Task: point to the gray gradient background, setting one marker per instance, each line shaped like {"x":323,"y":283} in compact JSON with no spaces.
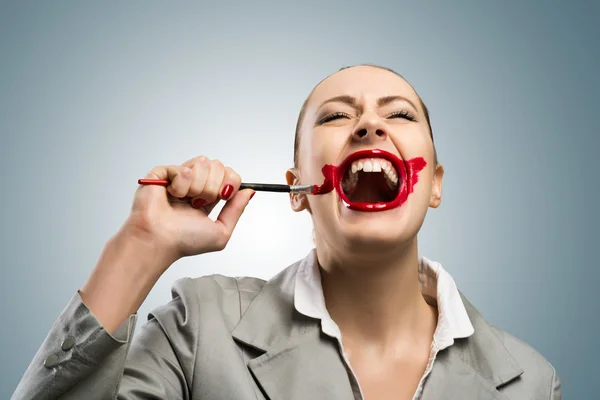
{"x":103,"y":92}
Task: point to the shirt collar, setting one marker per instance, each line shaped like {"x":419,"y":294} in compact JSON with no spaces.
{"x":437,"y":286}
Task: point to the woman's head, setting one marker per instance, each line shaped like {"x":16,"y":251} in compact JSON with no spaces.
{"x":356,"y":109}
{"x":303,"y":111}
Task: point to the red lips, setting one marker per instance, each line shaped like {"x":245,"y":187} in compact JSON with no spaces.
{"x":407,"y":172}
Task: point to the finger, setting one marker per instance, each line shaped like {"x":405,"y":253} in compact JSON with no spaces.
{"x":200,"y":168}
{"x":231,"y":184}
{"x":214,"y":180}
{"x":180,"y":184}
{"x":179,"y":176}
{"x":196,"y":160}
{"x":231,"y":213}
{"x":228,"y":189}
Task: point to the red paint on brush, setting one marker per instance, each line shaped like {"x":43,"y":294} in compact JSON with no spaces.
{"x":408,"y":172}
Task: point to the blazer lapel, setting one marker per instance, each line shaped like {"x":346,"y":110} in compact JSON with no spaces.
{"x":311,"y":370}
{"x":473,"y":368}
{"x":296,"y":360}
{"x":452,"y":379}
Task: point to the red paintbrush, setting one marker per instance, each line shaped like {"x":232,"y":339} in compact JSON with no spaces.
{"x":259,"y":187}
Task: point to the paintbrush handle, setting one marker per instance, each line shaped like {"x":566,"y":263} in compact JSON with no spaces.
{"x":263,"y":187}
{"x":259,"y":187}
{"x":270,"y":187}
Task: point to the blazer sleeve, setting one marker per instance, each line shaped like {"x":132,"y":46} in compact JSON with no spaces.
{"x":556,"y":390}
{"x":80,"y":359}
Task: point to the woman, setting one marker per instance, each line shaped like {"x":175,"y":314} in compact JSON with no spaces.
{"x":407,"y":331}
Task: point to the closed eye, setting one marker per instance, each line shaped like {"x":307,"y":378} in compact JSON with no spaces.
{"x":334,"y":116}
{"x":402,"y":114}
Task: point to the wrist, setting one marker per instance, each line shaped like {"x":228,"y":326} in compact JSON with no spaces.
{"x":126,"y":272}
{"x":153,"y":252}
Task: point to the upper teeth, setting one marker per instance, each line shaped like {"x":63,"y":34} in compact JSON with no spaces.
{"x":371,"y":165}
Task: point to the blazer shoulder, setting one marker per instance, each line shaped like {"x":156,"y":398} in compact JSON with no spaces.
{"x":216,"y":286}
{"x":209,"y":296}
{"x":528,"y":357}
{"x":508,"y":362}
{"x":538,"y":373}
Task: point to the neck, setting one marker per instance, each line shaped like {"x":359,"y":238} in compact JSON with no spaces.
{"x":376,"y":298}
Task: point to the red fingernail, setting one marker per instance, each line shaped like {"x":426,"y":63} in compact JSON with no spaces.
{"x":198,"y":203}
{"x":226,"y":192}
{"x":252,"y":195}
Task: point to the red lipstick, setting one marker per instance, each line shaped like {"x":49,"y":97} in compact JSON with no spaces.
{"x":408,"y":172}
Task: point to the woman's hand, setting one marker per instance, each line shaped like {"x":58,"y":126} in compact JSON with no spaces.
{"x":176,"y":219}
{"x":165,"y":225}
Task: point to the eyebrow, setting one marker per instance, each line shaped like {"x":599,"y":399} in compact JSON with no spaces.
{"x":382,"y":101}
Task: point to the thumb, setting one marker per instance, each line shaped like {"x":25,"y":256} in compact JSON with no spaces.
{"x":233,"y":209}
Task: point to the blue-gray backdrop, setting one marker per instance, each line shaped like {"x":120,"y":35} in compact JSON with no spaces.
{"x":93,"y":94}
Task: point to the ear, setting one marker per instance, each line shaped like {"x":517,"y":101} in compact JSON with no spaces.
{"x":298,"y":201}
{"x":436,"y":187}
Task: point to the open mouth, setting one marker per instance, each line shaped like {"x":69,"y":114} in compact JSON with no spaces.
{"x":370,"y":180}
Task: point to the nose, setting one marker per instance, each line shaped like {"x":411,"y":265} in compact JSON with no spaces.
{"x":369,"y":128}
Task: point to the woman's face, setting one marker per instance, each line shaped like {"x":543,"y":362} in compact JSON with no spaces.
{"x":381,"y":198}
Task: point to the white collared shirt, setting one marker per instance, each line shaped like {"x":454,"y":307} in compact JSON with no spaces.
{"x":436,"y":285}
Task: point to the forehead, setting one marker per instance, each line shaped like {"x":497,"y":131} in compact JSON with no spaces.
{"x":362,"y":82}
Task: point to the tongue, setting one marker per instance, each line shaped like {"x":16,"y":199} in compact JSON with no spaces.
{"x":371,"y":188}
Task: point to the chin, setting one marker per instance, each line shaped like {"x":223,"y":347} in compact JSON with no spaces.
{"x":380,"y":234}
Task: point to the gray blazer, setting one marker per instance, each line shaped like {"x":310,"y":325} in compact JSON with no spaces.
{"x":242,"y":339}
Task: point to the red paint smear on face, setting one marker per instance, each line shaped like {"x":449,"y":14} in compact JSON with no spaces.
{"x":408,"y":171}
{"x":329,"y":172}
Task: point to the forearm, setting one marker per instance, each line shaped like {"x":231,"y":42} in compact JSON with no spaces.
{"x":84,"y":354}
{"x":125,"y":273}
{"x":77,"y":348}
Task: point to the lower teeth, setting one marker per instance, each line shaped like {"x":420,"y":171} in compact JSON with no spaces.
{"x":390,"y":183}
{"x":349,"y":185}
